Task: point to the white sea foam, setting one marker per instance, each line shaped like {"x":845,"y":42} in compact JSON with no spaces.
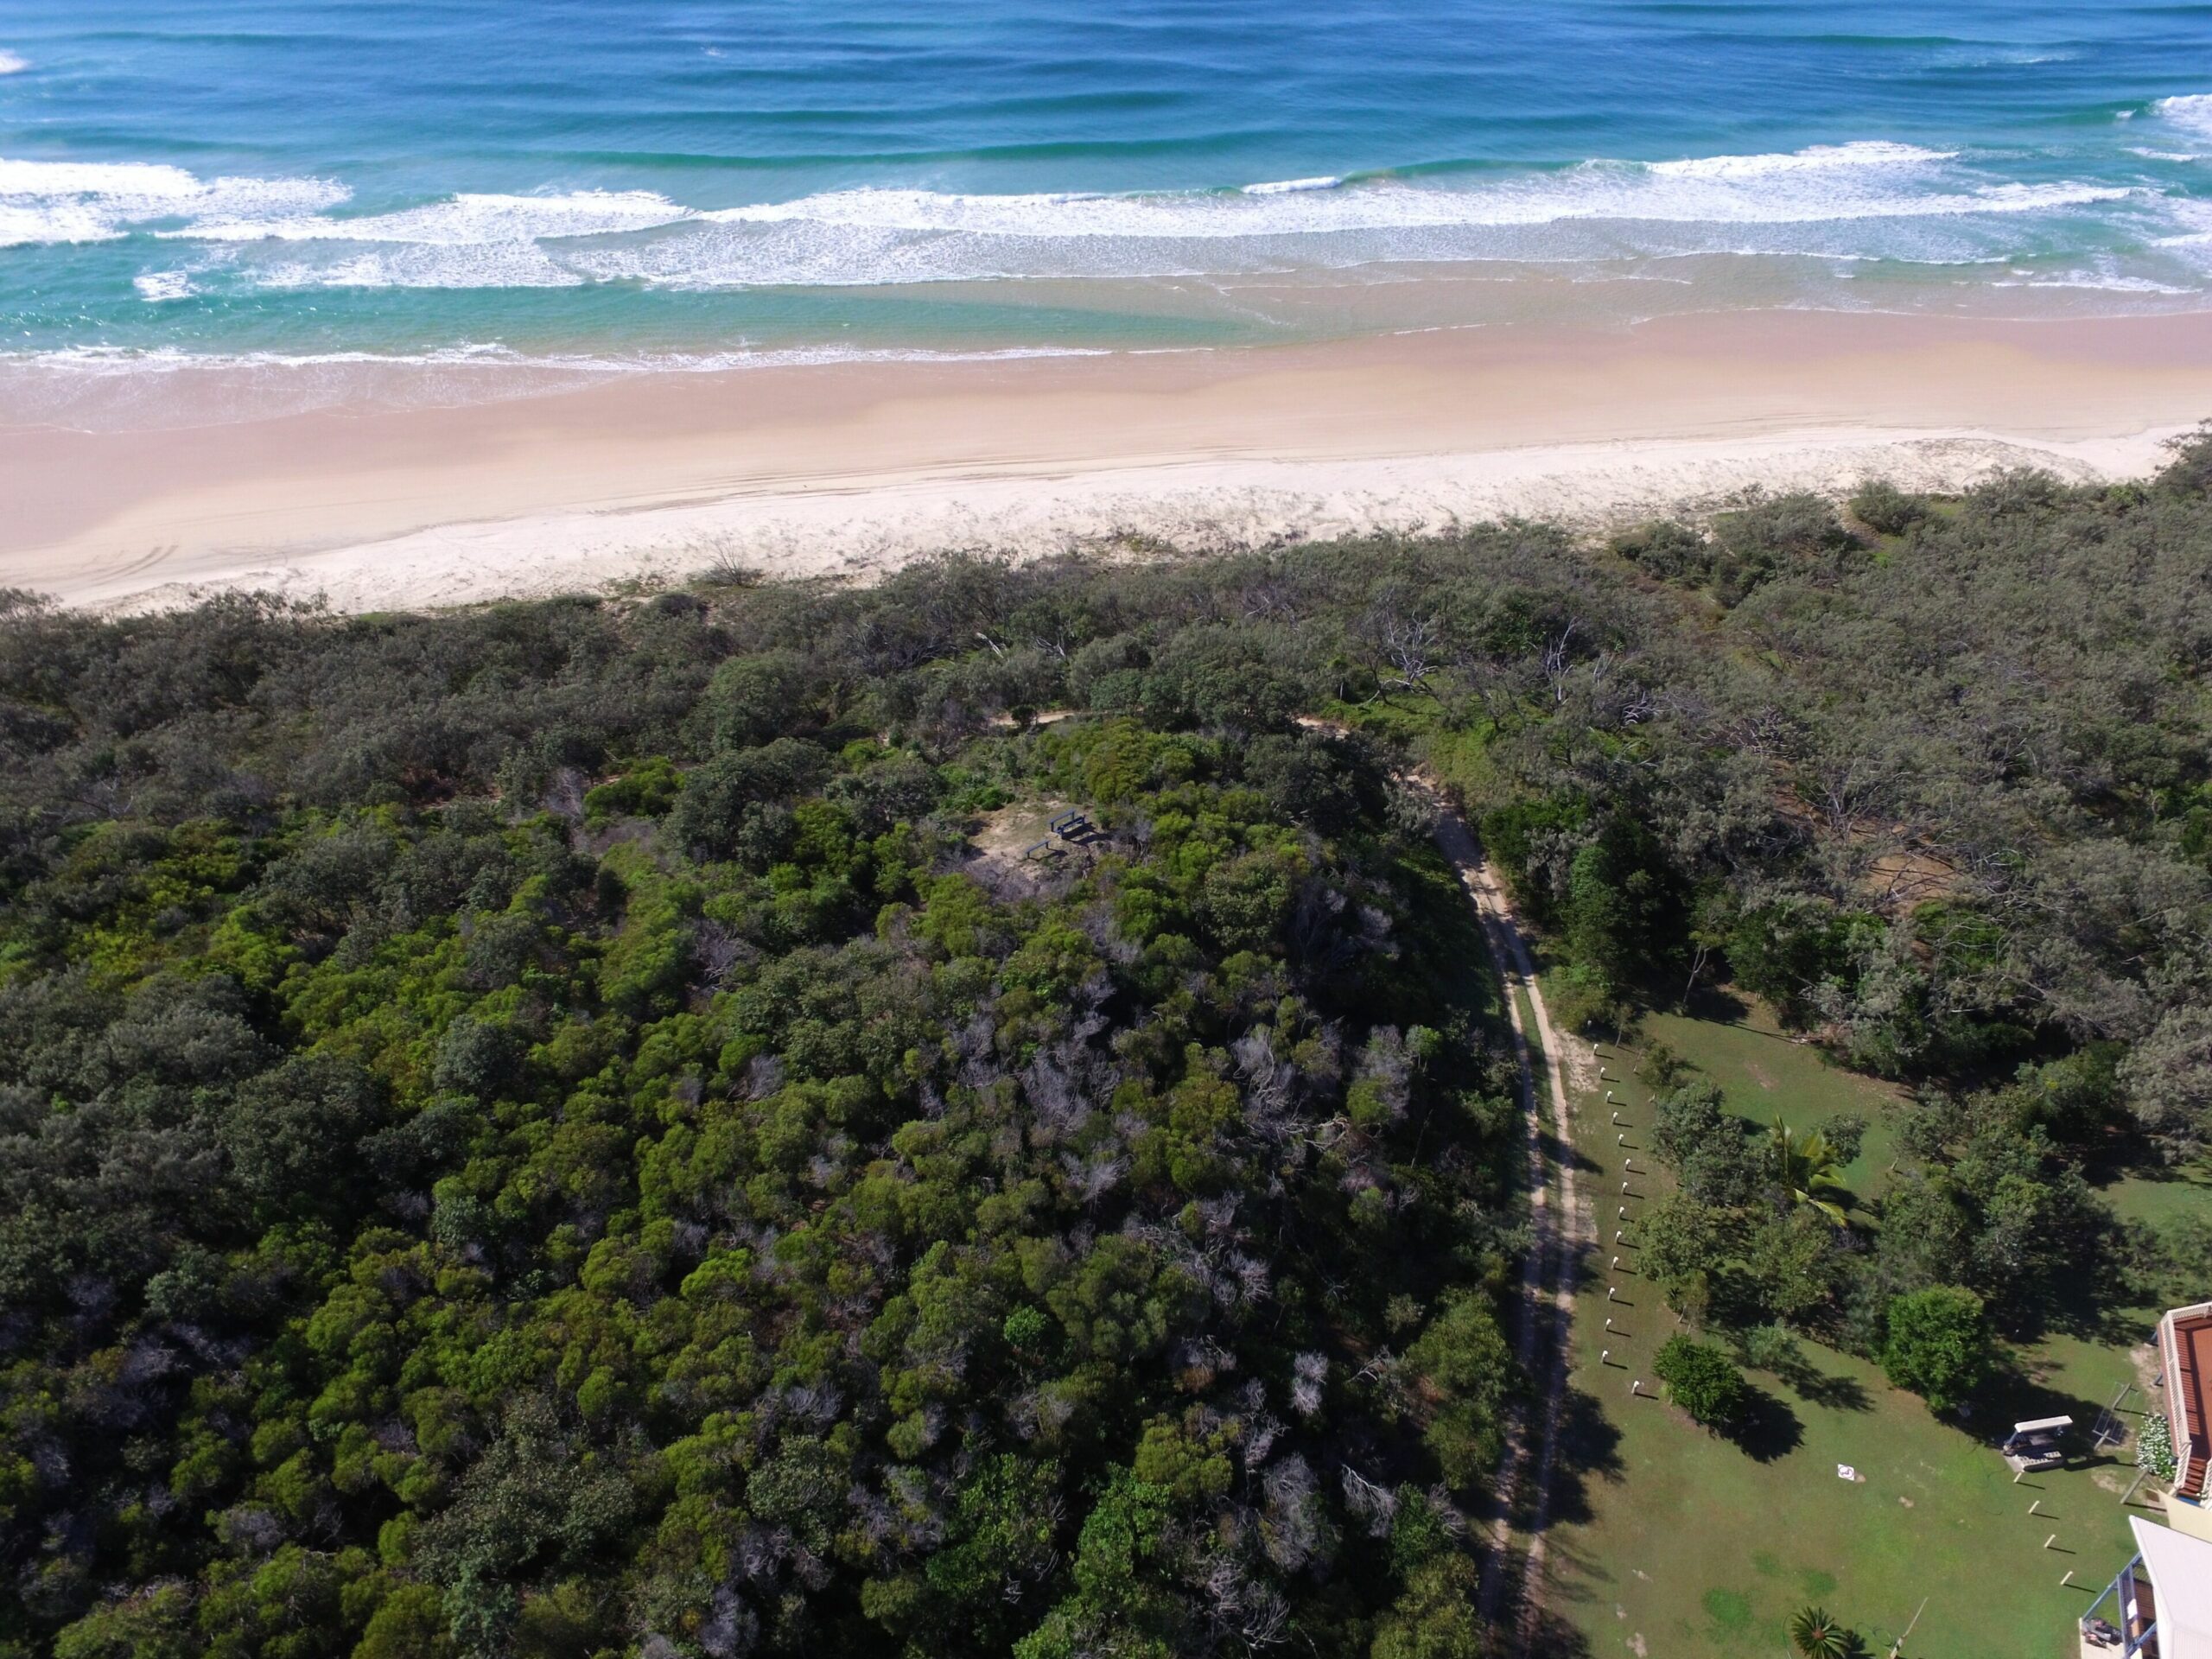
{"x":1806,"y":202}
{"x":51,"y":223}
{"x":465,"y":241}
{"x":1821,"y":202}
{"x":2195,"y":235}
{"x":133,"y":181}
{"x":156,"y":286}
{"x":1818,"y":158}
{"x":2192,"y":110}
{"x":495,"y":265}
{"x":117,"y":361}
{"x":460,"y":221}
{"x":13,"y":63}
{"x":2015,"y":58}
{"x":2098,"y":284}
{"x":1721,"y":190}
{"x":95,"y":202}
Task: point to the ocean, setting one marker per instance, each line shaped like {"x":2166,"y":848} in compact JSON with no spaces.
{"x":445,"y":200}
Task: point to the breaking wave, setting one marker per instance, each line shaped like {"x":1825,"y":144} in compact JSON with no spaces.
{"x":1869,"y":200}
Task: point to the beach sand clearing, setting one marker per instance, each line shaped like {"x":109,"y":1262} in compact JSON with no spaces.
{"x":852,"y":470}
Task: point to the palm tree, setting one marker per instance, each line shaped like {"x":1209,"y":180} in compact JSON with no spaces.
{"x":1809,"y":1170}
{"x":1816,"y":1633}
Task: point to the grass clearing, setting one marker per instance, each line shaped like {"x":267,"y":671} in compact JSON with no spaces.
{"x":2159,"y":1195}
{"x":1674,"y":1541}
{"x":1764,"y":1073}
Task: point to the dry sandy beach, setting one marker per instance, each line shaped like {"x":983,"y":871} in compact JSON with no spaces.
{"x":851,"y":469}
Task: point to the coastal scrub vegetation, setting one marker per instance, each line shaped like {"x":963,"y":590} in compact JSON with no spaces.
{"x":582,"y":1127}
{"x":1979,"y":732}
{"x":560,"y":1130}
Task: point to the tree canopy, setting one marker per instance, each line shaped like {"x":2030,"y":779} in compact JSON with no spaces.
{"x":574,"y":1128}
{"x":1701,"y":1380}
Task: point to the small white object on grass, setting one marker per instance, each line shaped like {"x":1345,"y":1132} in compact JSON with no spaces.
{"x":1845,"y":1472}
{"x":1604,"y":1354}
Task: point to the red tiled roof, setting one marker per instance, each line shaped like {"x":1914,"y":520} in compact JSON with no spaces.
{"x":2185,"y":1339}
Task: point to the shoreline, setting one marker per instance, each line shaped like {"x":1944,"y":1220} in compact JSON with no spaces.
{"x":850,"y":469}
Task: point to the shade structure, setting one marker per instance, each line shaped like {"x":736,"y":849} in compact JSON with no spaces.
{"x":2180,"y":1569}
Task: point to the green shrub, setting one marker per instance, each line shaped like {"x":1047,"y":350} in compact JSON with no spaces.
{"x":1886,"y":510}
{"x":2154,"y":1449}
{"x":1702,"y":1381}
{"x":646,"y":791}
{"x":1939,"y":1345}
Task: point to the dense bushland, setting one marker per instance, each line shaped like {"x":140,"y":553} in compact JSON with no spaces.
{"x":453,"y":1204}
{"x":570,"y":1128}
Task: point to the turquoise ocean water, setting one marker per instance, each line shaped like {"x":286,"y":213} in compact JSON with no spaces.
{"x":475,"y":187}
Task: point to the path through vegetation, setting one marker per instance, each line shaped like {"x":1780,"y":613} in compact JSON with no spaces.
{"x":1557,"y":1229}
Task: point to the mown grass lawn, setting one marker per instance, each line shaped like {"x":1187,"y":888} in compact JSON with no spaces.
{"x":2161,"y":1195}
{"x":1678,"y":1543}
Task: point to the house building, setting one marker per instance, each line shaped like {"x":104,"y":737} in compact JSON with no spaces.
{"x":2185,"y":1363}
{"x":2159,"y":1605}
